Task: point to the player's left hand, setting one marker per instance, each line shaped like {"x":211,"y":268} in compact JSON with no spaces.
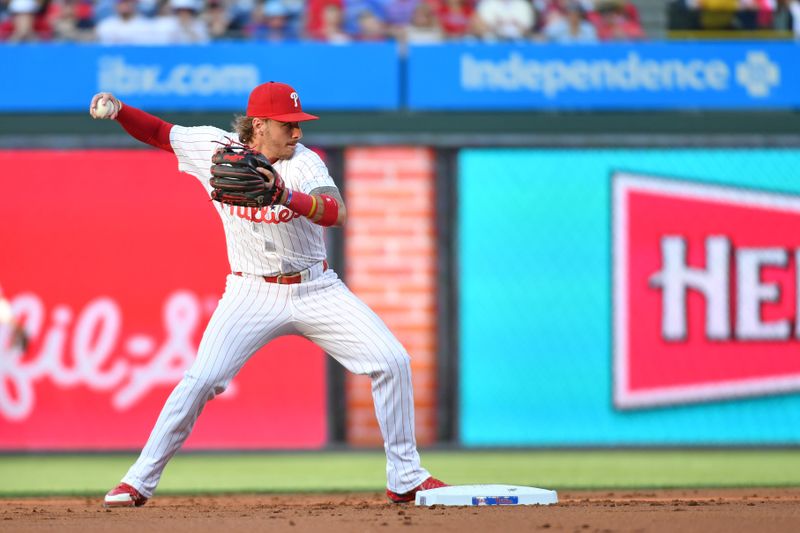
{"x":274,"y":182}
{"x":244,"y":177}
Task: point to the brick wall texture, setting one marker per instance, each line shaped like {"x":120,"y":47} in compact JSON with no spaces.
{"x":390,"y":248}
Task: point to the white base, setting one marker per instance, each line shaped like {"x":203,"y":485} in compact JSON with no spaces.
{"x":486,"y":495}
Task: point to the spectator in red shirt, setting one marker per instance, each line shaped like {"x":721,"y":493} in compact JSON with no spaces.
{"x":455,"y":17}
{"x":315,"y":17}
{"x":331,"y":29}
{"x":617,"y":20}
{"x":27,"y":23}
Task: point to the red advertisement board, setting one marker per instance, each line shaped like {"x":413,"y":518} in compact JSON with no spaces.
{"x":705,"y":291}
{"x":115,"y":270}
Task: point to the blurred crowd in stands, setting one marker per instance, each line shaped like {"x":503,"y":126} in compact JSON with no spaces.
{"x":156,"y":22}
{"x":332,"y":21}
{"x":735,"y":15}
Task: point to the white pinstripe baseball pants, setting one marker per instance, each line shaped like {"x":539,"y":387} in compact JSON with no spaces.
{"x":251,"y":313}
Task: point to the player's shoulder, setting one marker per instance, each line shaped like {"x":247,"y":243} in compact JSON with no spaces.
{"x":301,"y":151}
{"x":304,"y":154}
{"x":201,"y":134}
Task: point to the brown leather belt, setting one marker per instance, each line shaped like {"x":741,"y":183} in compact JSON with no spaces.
{"x":286,"y":279}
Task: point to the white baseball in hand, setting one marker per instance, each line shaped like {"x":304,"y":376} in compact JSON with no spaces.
{"x":104,"y":108}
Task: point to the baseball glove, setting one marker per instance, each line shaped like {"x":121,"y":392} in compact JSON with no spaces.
{"x":235,"y":179}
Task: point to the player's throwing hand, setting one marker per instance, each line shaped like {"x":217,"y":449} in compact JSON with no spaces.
{"x":105,"y":105}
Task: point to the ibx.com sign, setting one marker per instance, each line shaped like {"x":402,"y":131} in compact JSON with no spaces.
{"x":705,"y":292}
{"x":124,"y":78}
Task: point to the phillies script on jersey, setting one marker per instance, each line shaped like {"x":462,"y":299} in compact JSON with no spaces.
{"x":267,"y":215}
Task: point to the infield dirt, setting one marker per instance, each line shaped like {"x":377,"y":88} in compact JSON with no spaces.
{"x":701,"y":510}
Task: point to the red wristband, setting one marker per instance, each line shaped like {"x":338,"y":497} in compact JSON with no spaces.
{"x":307,"y":206}
{"x":331,"y":213}
{"x":299,"y":202}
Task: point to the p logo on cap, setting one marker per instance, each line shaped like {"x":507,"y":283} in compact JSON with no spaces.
{"x":277,"y":101}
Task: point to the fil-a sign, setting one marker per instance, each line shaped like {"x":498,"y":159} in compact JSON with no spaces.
{"x":110,"y":333}
{"x":705,"y":292}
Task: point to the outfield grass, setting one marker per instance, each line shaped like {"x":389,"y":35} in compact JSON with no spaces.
{"x":24,"y":475}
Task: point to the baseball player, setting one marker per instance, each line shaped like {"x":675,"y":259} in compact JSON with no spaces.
{"x":280,"y":284}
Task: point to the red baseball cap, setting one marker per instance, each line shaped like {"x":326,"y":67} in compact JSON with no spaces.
{"x":276,"y":101}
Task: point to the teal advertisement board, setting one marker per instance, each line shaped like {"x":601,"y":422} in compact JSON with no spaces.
{"x":547,"y":236}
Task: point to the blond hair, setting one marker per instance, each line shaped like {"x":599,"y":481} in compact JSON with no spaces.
{"x":243,"y":126}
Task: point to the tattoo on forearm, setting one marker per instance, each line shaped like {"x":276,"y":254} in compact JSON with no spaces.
{"x":333,"y":192}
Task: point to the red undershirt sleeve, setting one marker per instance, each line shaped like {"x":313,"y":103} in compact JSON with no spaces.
{"x":145,"y":127}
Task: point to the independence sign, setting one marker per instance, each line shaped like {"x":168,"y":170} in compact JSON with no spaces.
{"x":611,"y":76}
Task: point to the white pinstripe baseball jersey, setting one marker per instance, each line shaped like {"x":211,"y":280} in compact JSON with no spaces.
{"x":269,"y":240}
{"x":252,"y":312}
{"x":254,"y":309}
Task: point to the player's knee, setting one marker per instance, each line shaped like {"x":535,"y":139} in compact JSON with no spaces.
{"x":397,"y":360}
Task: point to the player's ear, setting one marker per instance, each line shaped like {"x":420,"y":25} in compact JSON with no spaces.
{"x":260,"y":125}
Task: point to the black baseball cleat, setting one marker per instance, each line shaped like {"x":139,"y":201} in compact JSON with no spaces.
{"x":430,"y":483}
{"x":123,"y":495}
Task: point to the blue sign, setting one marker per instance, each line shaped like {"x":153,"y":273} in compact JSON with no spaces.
{"x":605,"y":76}
{"x":495,"y":500}
{"x":46,"y":77}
